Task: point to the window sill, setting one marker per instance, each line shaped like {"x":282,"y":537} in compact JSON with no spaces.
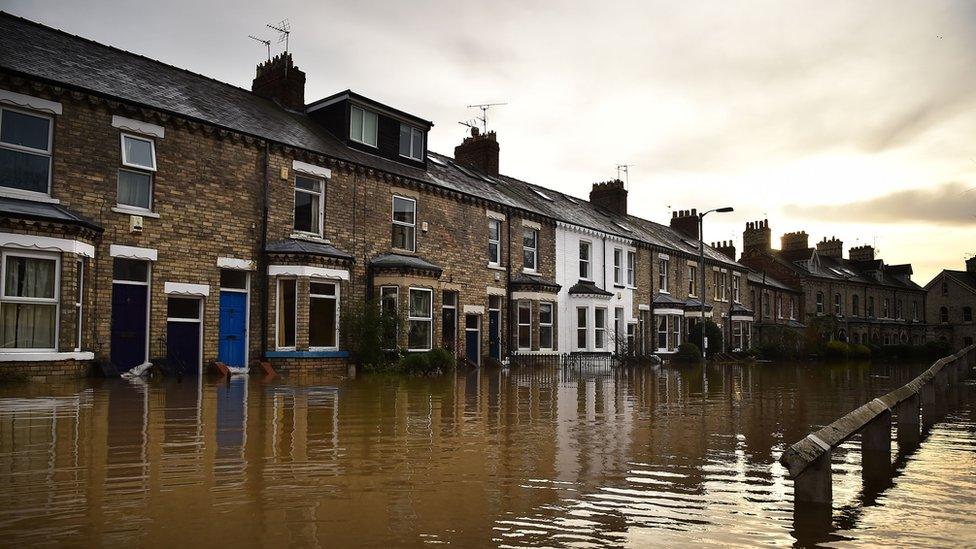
{"x":403,"y":251}
{"x":530,"y":271}
{"x":126,"y":210}
{"x":306,"y":354}
{"x":495,"y":267}
{"x":44,"y":356}
{"x":27,"y":195}
{"x":311,"y":237}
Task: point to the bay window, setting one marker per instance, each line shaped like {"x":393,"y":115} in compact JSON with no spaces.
{"x":419,"y":319}
{"x":29,"y":301}
{"x":389,"y":307}
{"x":287,"y":295}
{"x":309,"y":205}
{"x":600,"y":328}
{"x":79,"y":299}
{"x":524,"y":325}
{"x":135,"y":177}
{"x":323,"y":315}
{"x":25,"y":152}
{"x":582,"y":319}
{"x":404,"y":223}
{"x":545,"y":326}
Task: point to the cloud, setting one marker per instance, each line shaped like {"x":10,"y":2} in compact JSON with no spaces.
{"x":947,"y":204}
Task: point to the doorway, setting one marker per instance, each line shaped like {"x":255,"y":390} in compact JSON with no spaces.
{"x":472,"y":338}
{"x":232,"y":340}
{"x":184,"y":337}
{"x":129,"y":345}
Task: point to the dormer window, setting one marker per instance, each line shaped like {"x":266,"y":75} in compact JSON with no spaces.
{"x":25,"y":152}
{"x":362,"y":126}
{"x":411,"y":142}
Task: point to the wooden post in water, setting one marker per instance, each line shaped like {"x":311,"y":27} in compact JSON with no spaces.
{"x":908,"y":420}
{"x":813,"y":484}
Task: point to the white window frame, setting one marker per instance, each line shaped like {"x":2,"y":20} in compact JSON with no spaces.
{"x":429,"y":319}
{"x":838,"y":304}
{"x":662,"y":276}
{"x":663,"y":319}
{"x":598,"y":332}
{"x":535,"y":250}
{"x":584,"y":328}
{"x":79,"y":301}
{"x":312,"y":296}
{"x":586,"y":264}
{"x":631,"y":267}
{"x":414,"y":132}
{"x":618,"y":259}
{"x":413,"y":242}
{"x":56,"y":300}
{"x":497,"y":259}
{"x":619,"y":325}
{"x":736,"y":287}
{"x":820,"y":303}
{"x":519,"y":306}
{"x":362,"y":136}
{"x":547,"y":325}
{"x":49,"y":153}
{"x":321,"y":195}
{"x":152,"y":151}
{"x":278,"y":345}
{"x":692,"y":280}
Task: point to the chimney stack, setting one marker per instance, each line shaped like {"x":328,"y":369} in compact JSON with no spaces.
{"x":831,"y":248}
{"x":861,"y":253}
{"x":479,"y":152}
{"x":726,"y":248}
{"x":280,"y":81}
{"x":971,"y":264}
{"x":756,"y":237}
{"x":798,"y":240}
{"x":611,"y":196}
{"x":685,"y":222}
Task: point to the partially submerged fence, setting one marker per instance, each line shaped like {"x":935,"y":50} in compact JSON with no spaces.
{"x":808,"y":460}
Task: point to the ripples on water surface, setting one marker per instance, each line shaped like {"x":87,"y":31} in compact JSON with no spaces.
{"x":542,"y":457}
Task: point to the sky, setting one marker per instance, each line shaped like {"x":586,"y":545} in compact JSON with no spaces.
{"x":847,"y":119}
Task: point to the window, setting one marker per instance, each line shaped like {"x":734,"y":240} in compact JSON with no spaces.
{"x":618,"y":258}
{"x":581,"y":327}
{"x":389,"y":306}
{"x":693,"y":280}
{"x":662,"y":333}
{"x":411,"y":142}
{"x":967,"y":314}
{"x":662,"y":274}
{"x":404,"y":223}
{"x":898,"y":309}
{"x":792,"y":308}
{"x":25,"y":152}
{"x":838,"y":305}
{"x":871,"y":306}
{"x":29,"y":301}
{"x":135,"y":178}
{"x":232,"y":279}
{"x":675,"y":332}
{"x":737,"y":342}
{"x":856,"y":305}
{"x":419,"y":320}
{"x":945,"y":287}
{"x":182,"y":308}
{"x":884,"y":308}
{"x":631,"y":264}
{"x":736,"y":284}
{"x":618,"y":327}
{"x":766,"y":306}
{"x":820,"y":303}
{"x":524,"y":325}
{"x":286,"y":313}
{"x":530,"y":244}
{"x":309,"y":205}
{"x":130,"y":270}
{"x":631,"y":338}
{"x":600,"y":328}
{"x":545,"y":326}
{"x":944,"y":315}
{"x":915,"y":311}
{"x":584,"y":260}
{"x":494,"y":242}
{"x":323,"y":315}
{"x":779,"y":305}
{"x":79,"y":299}
{"x":362,"y":126}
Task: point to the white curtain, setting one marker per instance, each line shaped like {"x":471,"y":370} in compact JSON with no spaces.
{"x":29,"y":325}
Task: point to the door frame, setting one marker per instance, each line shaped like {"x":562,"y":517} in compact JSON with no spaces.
{"x":198,"y":321}
{"x":247,"y":312}
{"x":478,"y":330}
{"x":148,"y":285}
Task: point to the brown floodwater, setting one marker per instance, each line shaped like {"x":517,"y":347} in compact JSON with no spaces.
{"x":522,"y":457}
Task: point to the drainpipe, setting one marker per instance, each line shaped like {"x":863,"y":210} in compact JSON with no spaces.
{"x":262,"y":255}
{"x":508,"y":287}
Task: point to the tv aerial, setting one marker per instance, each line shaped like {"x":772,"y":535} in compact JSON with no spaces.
{"x":484,"y":115}
{"x":267,"y":43}
{"x":624,"y":169}
{"x":284,"y":29}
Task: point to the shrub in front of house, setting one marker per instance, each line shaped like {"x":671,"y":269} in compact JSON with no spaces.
{"x":836,"y":350}
{"x":687,"y":352}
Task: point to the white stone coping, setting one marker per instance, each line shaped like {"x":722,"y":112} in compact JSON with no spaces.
{"x":311,"y":169}
{"x":697,"y":314}
{"x":138,"y":126}
{"x":305,"y":270}
{"x":663,"y":256}
{"x":743,"y":317}
{"x":643,"y":307}
{"x":8,"y":97}
{"x":128,"y":210}
{"x":493,"y":290}
{"x":658,"y":312}
{"x":495,"y":215}
{"x":46,"y":243}
{"x":474,"y":309}
{"x":535,"y":296}
{"x":132,"y":252}
{"x":531,"y":224}
{"x":235,"y":263}
{"x":45,"y":356}
{"x":183,"y":288}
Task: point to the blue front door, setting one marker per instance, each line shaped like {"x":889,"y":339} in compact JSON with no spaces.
{"x":472,"y":338}
{"x":494,"y":335}
{"x":129,"y":307}
{"x":233,"y":328}
{"x":183,"y":346}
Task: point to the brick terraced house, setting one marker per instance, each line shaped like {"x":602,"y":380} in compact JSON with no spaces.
{"x":950,"y":304}
{"x":859,"y":299}
{"x":147,"y":212}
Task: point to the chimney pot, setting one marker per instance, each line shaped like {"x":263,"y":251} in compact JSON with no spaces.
{"x":479,"y":152}
{"x":610,"y":195}
{"x":971,"y":264}
{"x":279,"y":80}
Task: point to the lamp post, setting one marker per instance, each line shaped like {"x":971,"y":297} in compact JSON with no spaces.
{"x":701,"y":270}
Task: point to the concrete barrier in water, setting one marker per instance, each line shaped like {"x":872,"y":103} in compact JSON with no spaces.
{"x":808,"y":460}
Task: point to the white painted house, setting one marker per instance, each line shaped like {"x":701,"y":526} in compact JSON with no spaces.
{"x":597,"y":275}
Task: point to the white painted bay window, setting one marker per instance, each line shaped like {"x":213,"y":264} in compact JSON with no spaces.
{"x":404,"y":223}
{"x":582,"y":321}
{"x":79,"y":299}
{"x":420,"y":319}
{"x":600,"y":328}
{"x":25,"y":152}
{"x":524,"y":325}
{"x":530,"y":249}
{"x":411,"y":142}
{"x":287,"y":314}
{"x":323,"y":316}
{"x":309,"y":205}
{"x":136,"y":174}
{"x":545,"y":326}
{"x":29,"y":301}
{"x":362,"y":126}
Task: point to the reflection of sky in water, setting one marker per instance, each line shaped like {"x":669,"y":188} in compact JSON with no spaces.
{"x":520,"y":458}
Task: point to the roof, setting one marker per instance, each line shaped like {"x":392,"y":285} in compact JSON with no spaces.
{"x":296,"y":246}
{"x":693,"y":304}
{"x":585,"y":287}
{"x":526,"y":279}
{"x":41,"y":211}
{"x":740,"y":309}
{"x":349,"y":94}
{"x":662,"y":300}
{"x":766,"y":280}
{"x":967,"y":278}
{"x":837,"y":268}
{"x":400,"y":261}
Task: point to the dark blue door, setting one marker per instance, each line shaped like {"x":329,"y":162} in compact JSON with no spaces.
{"x":183,"y":346}
{"x":233,"y":328}
{"x":472,"y":337}
{"x":494,"y":335}
{"x":129,"y":306}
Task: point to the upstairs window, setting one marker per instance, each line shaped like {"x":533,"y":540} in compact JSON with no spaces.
{"x":884,"y":308}
{"x":870,"y":306}
{"x":838,"y":308}
{"x":411,"y":142}
{"x":309,"y":205}
{"x":944,"y":315}
{"x":855,"y":305}
{"x":494,"y":242}
{"x":584,"y":260}
{"x":618,"y":258}
{"x":404,"y":223}
{"x":692,"y":280}
{"x":820,"y":303}
{"x":736,"y":281}
{"x":662,"y":274}
{"x":631,"y":264}
{"x":362,"y":126}
{"x":915,"y":311}
{"x":967,"y":314}
{"x":530,"y":249}
{"x":25,"y":152}
{"x":135,"y":178}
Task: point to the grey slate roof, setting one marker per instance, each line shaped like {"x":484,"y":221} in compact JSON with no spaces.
{"x":693,"y":304}
{"x":400,"y":261}
{"x":296,"y":246}
{"x":526,"y":279}
{"x":584,"y":287}
{"x":740,"y":309}
{"x":667,"y":301}
{"x":758,"y":279}
{"x":964,"y":277}
{"x":39,"y":211}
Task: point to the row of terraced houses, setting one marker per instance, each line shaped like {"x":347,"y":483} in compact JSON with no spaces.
{"x":149,"y":212}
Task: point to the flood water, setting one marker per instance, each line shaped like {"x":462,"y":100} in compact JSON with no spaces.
{"x":521,"y":457}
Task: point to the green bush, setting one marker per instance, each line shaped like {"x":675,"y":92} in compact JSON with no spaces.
{"x":712,"y":331}
{"x":688,"y":352}
{"x":836,"y":350}
{"x":416,"y":364}
{"x":366,"y":332}
{"x":860,"y":351}
{"x":442,"y":360}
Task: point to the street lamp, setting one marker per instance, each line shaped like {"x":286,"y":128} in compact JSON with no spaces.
{"x":701,"y":270}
